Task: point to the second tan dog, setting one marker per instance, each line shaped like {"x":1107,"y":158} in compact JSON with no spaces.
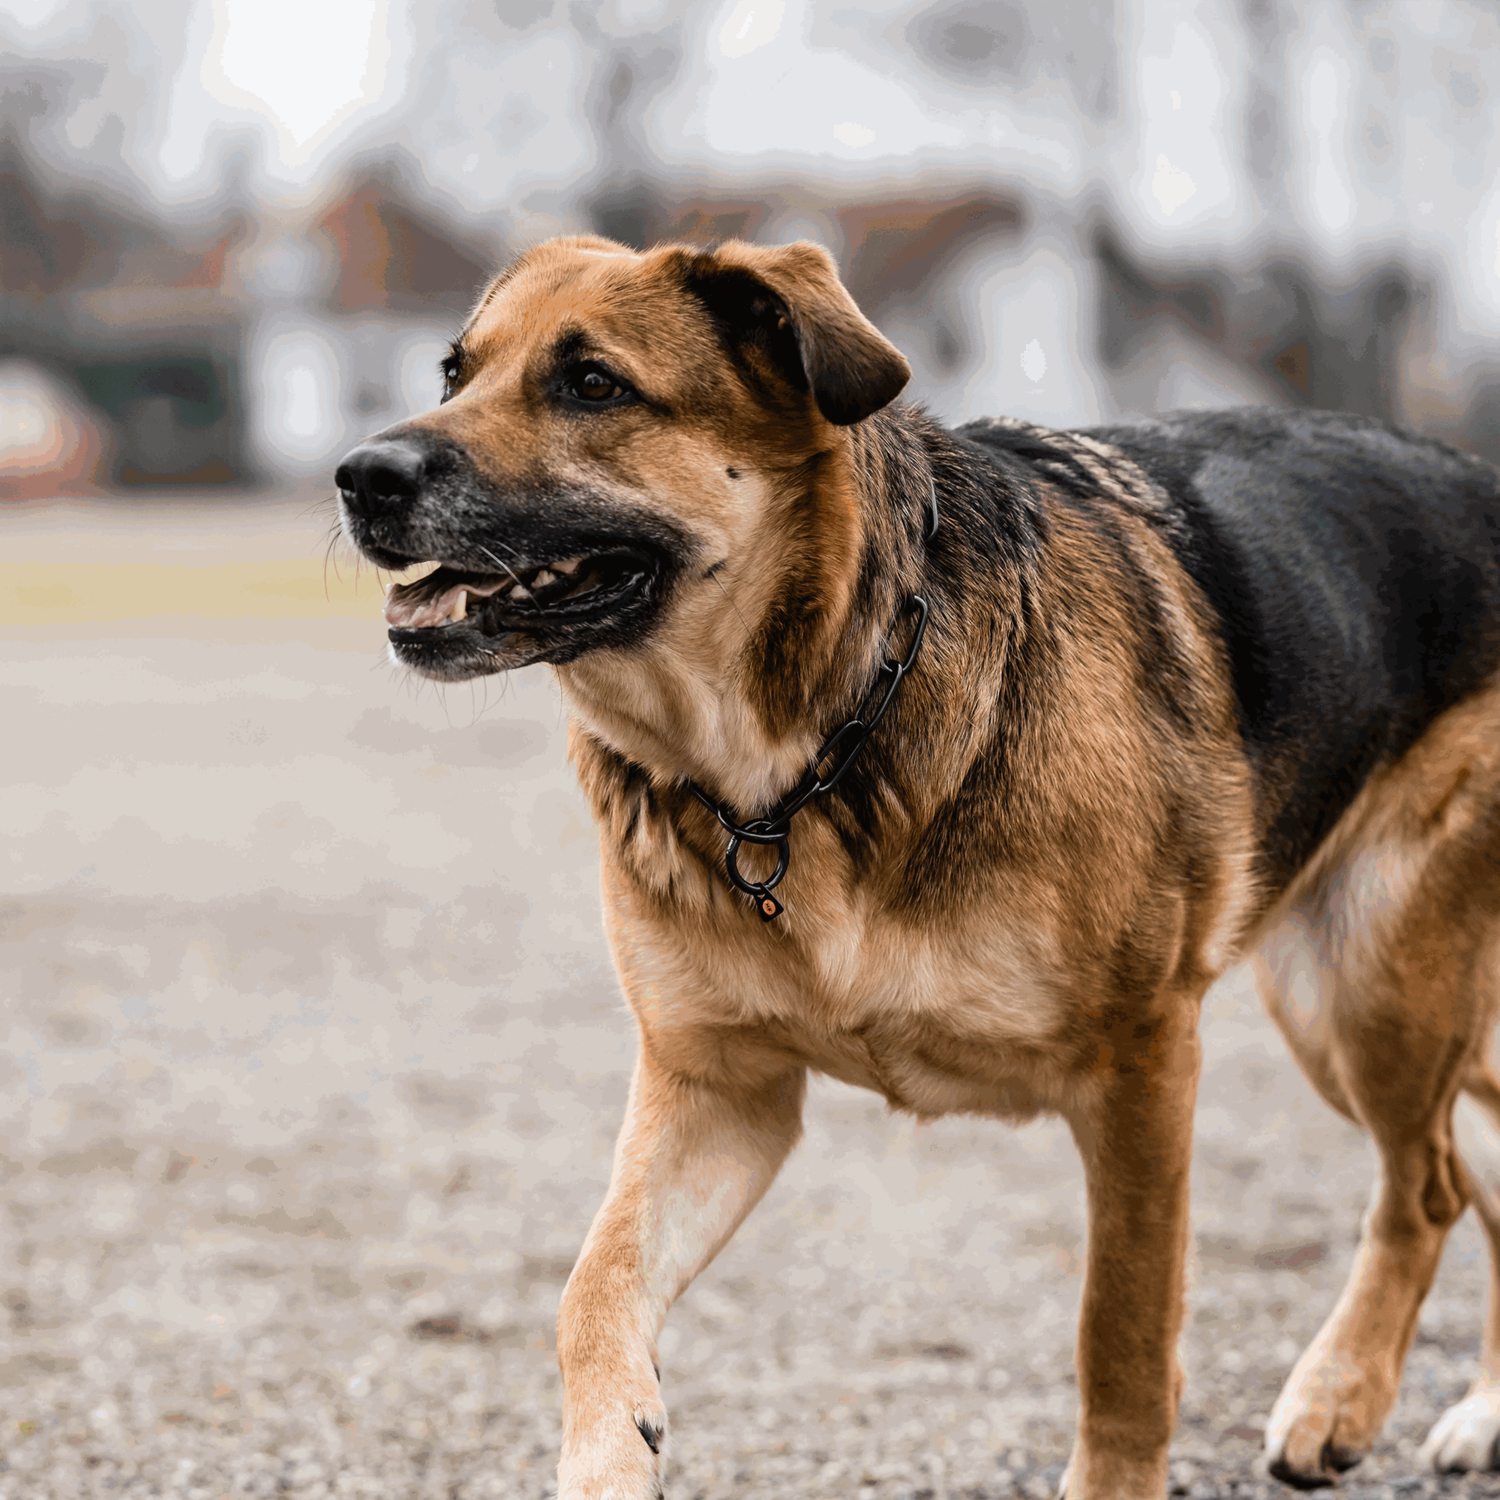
{"x":1187,"y":690}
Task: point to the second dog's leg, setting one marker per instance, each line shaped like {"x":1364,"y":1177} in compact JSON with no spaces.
{"x":1136,"y":1141}
{"x":691,"y":1162}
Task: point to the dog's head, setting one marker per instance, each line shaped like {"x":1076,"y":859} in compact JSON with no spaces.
{"x":617,"y":428}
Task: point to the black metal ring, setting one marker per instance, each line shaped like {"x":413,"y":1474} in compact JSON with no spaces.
{"x":761,"y":831}
{"x":757,"y":887}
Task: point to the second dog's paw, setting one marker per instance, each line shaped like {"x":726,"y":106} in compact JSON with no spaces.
{"x":1465,"y":1436}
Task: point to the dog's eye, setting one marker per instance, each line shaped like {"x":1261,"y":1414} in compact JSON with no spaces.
{"x":450,"y":368}
{"x":594,"y":385}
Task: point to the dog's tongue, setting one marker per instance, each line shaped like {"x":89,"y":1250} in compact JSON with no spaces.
{"x":414,"y":606}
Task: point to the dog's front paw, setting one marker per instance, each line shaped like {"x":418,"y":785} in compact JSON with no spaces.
{"x":1325,"y":1420}
{"x":1465,"y":1436}
{"x":618,"y":1457}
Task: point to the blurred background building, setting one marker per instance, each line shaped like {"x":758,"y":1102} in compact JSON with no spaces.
{"x":238,"y":233}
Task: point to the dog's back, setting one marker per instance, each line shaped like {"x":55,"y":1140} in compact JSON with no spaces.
{"x":1355,"y":573}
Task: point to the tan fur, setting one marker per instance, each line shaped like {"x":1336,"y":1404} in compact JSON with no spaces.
{"x":950,"y":947}
{"x":1381,"y":972}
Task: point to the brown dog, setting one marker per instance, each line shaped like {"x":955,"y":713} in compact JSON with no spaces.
{"x":1187,"y":690}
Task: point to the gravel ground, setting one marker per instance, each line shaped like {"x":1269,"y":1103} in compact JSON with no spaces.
{"x":313,"y":1066}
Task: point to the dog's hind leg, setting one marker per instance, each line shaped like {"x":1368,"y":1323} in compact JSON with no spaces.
{"x":1381,"y":979}
{"x":1467,"y":1434}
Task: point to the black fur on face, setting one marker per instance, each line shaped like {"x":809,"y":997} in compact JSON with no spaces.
{"x":624,"y":558}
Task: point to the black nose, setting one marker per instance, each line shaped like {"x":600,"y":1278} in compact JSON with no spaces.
{"x":381,"y":475}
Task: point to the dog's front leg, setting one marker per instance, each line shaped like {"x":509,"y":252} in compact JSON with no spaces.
{"x":693,"y":1158}
{"x":1135,"y":1135}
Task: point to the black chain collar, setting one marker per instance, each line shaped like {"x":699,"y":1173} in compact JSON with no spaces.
{"x":844,"y":744}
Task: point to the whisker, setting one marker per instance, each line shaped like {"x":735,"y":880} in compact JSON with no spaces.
{"x":498,"y":562}
{"x":314,"y":506}
{"x":331,"y":556}
{"x":735,"y":607}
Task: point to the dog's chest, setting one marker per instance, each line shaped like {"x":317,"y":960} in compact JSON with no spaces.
{"x":936,"y":1023}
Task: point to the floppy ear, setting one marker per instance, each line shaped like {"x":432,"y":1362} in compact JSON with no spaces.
{"x":787,"y":304}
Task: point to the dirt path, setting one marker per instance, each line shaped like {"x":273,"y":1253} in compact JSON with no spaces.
{"x":313,"y":1064}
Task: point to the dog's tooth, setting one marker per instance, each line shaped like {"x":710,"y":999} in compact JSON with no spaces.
{"x":460,"y":606}
{"x":520,"y":592}
{"x":543,"y":578}
{"x":567,"y":565}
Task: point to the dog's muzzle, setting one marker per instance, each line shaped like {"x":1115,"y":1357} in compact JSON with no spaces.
{"x":529,"y":571}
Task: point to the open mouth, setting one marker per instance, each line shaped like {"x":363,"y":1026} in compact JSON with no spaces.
{"x":567,"y":590}
{"x":460,"y":622}
{"x":540,"y":574}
